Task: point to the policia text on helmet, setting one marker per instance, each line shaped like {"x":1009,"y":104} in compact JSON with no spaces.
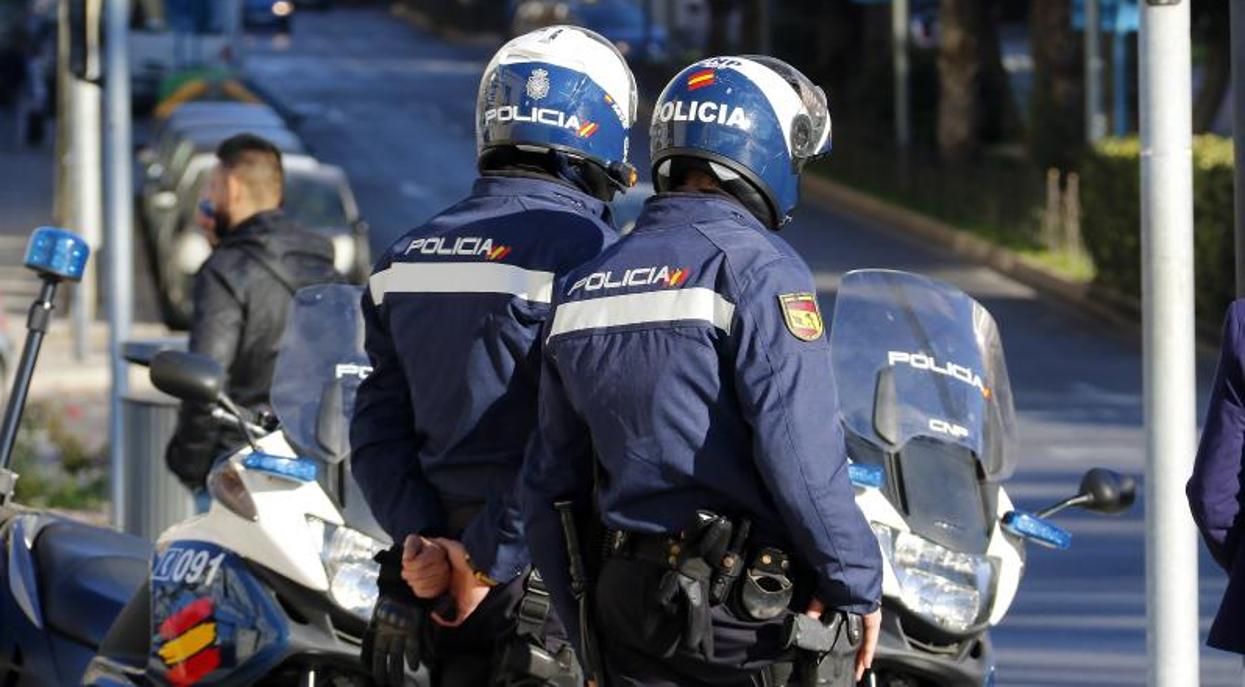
{"x":558,"y":102}
{"x":755,"y":146}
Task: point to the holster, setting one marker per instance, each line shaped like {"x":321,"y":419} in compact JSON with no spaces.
{"x":824,"y":650}
{"x":765,"y":591}
{"x":521,"y":663}
{"x":523,"y":660}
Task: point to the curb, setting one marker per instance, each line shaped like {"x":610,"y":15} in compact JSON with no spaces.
{"x":1089,"y":299}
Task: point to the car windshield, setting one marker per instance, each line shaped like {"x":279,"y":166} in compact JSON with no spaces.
{"x":924,"y":393}
{"x":314,"y":201}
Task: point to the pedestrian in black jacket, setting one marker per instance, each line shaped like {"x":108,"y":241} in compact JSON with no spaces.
{"x":243,"y":292}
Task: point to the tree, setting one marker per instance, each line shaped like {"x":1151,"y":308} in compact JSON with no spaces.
{"x":974,"y":103}
{"x":719,"y":26}
{"x":1057,"y":129}
{"x":1214,"y":24}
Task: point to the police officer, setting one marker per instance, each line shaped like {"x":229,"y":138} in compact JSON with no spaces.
{"x":453,"y":315}
{"x":687,"y":367}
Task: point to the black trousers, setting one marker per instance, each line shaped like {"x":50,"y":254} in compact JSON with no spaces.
{"x":641,"y":646}
{"x":465,"y":654}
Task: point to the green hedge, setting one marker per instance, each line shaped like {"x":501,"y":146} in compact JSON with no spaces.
{"x":1111,"y":220}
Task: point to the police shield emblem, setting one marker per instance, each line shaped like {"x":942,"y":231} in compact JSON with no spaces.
{"x":803,"y":317}
{"x":538,"y":84}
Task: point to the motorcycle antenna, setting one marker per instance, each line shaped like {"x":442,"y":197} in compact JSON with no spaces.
{"x":56,"y":255}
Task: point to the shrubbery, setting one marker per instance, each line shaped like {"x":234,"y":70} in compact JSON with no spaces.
{"x":1111,"y":220}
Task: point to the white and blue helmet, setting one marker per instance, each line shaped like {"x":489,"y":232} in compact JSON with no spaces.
{"x":560,"y":88}
{"x":753,"y":122}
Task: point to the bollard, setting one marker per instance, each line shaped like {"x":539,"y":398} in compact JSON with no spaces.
{"x":155,"y":498}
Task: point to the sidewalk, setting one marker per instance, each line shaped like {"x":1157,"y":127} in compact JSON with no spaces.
{"x":26,"y":191}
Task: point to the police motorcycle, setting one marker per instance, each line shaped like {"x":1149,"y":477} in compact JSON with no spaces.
{"x":275,"y":583}
{"x":61,"y":582}
{"x":929,"y":425}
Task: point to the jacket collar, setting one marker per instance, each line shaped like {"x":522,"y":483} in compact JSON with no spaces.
{"x":259,"y":223}
{"x":517,"y":184}
{"x":666,"y":210}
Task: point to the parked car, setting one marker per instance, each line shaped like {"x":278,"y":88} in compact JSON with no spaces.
{"x":165,"y":132}
{"x":274,"y":15}
{"x":317,"y":196}
{"x":623,"y":22}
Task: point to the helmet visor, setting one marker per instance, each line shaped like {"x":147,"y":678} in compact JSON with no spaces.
{"x":811,"y":140}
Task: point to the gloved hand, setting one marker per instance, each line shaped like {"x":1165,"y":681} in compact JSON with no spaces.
{"x":395,"y":635}
{"x":394,"y":640}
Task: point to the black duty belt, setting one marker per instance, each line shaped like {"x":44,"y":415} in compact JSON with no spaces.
{"x":659,"y":549}
{"x":754,"y":580}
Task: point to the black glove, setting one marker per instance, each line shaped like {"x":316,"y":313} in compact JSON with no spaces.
{"x":395,"y":636}
{"x":393,"y":641}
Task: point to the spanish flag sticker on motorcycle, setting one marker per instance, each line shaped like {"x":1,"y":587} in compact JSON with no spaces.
{"x":802,"y":315}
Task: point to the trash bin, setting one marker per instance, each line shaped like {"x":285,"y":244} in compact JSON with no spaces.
{"x":155,"y":498}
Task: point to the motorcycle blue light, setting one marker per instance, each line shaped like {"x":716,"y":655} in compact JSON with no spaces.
{"x":57,"y":253}
{"x":297,"y":469}
{"x":1030,"y":526}
{"x":866,"y":476}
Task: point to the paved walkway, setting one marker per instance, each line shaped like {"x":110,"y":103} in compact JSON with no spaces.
{"x":26,"y":194}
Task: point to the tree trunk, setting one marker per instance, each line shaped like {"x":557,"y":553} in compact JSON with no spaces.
{"x":1000,"y":116}
{"x":1217,"y":70}
{"x":719,"y":26}
{"x":959,"y":74}
{"x":755,"y":23}
{"x":1057,"y":128}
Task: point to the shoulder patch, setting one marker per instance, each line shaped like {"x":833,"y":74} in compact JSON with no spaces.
{"x":803,"y":317}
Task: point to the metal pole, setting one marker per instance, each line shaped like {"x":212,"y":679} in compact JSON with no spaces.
{"x":1238,"y":134}
{"x":899,"y":58}
{"x":1119,"y":48}
{"x":1095,"y":118}
{"x":36,"y":327}
{"x":120,"y":258}
{"x":84,"y":172}
{"x":1169,"y":372}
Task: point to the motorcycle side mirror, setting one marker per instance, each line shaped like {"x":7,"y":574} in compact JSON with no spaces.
{"x":886,"y":406}
{"x":1107,"y":491}
{"x":1102,"y":491}
{"x":188,"y":376}
{"x":330,"y":430}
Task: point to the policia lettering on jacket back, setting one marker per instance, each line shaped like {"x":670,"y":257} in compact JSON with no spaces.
{"x":453,"y":313}
{"x":698,"y":416}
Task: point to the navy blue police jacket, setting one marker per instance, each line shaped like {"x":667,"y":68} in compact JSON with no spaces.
{"x":689,"y":359}
{"x":453,"y":315}
{"x":1215,"y":490}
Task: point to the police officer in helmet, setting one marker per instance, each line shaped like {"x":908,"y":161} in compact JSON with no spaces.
{"x":687,"y":391}
{"x":453,"y":314}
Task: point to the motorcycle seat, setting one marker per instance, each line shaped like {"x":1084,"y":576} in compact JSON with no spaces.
{"x":86,"y":575}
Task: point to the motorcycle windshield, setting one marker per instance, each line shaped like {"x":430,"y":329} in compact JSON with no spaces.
{"x":319,"y":366}
{"x":916,"y":359}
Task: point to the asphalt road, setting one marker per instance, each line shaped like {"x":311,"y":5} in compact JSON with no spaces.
{"x":394,"y":107}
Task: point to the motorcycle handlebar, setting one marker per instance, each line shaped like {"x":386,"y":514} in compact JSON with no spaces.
{"x":224,"y":417}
